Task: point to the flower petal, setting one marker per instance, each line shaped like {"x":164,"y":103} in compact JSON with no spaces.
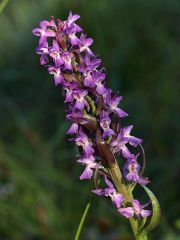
{"x":73,"y":129}
{"x":126,"y":212}
{"x":117,"y":199}
{"x":146,"y":213}
{"x":87,"y":174}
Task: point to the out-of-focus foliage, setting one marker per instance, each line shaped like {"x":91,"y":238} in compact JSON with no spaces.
{"x":41,"y":196}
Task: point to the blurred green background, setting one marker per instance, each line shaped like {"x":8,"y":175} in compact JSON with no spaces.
{"x":41,"y":196}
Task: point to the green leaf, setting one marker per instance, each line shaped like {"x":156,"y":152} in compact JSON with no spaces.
{"x":154,"y":221}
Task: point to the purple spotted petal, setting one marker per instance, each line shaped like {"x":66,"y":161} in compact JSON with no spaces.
{"x":67,"y":58}
{"x":74,"y":40}
{"x":146,"y":213}
{"x":58,"y":79}
{"x":88,"y":82}
{"x":87,"y":160}
{"x":108,"y":132}
{"x":108,"y":191}
{"x":50,"y":33}
{"x":127,"y":130}
{"x":72,"y":18}
{"x":100,"y":89}
{"x":135,"y":141}
{"x":73,"y":116}
{"x":69,"y":97}
{"x":143,"y":181}
{"x":103,"y":192}
{"x":87,"y":173}
{"x":88,"y":42}
{"x":44,"y":24}
{"x":117,"y":199}
{"x":73,"y":129}
{"x":115,"y":101}
{"x":132,"y":140}
{"x":79,"y":105}
{"x":88,"y":150}
{"x":138,"y":209}
{"x":136,"y":205}
{"x":120,"y":113}
{"x":44,"y":59}
{"x":37,"y":31}
{"x":126,"y":153}
{"x":132,"y":176}
{"x":126,"y":212}
{"x":108,"y":183}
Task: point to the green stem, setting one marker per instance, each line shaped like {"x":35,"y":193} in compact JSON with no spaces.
{"x":79,"y":229}
{"x":117,"y":178}
{"x":142,"y":236}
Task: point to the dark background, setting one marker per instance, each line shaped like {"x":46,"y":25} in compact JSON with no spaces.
{"x":41,"y":196}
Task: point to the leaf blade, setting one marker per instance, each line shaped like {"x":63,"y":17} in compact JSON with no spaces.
{"x":156,"y":211}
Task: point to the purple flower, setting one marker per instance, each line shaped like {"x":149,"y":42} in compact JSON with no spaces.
{"x":127,"y":212}
{"x":94,"y":80}
{"x":124,"y":137}
{"x":89,"y":65}
{"x":88,"y":79}
{"x":73,"y":116}
{"x":73,"y":38}
{"x":85,"y":44}
{"x":131,"y":139}
{"x":55,"y":53}
{"x":131,"y":171}
{"x":73,"y":94}
{"x":136,"y":209}
{"x":139,"y":209}
{"x":117,"y":199}
{"x":80,"y":101}
{"x":90,"y":163}
{"x":44,"y":52}
{"x":70,"y":88}
{"x":70,"y":28}
{"x":91,"y":106}
{"x":113,"y":102}
{"x":98,"y":77}
{"x":67,"y":59}
{"x":105,"y":191}
{"x":83,"y":141}
{"x":44,"y":31}
{"x":105,"y":124}
{"x":119,"y":145}
{"x":58,"y":77}
{"x":70,"y":23}
{"x":73,"y":129}
{"x":92,"y":77}
{"x":110,"y":191}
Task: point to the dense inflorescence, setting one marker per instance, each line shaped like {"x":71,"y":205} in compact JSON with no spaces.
{"x":92,"y":107}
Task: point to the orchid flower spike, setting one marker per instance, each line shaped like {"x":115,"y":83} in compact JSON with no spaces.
{"x":95,"y":115}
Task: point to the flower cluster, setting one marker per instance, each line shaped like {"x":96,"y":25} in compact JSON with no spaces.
{"x":91,"y":106}
{"x":137,"y":209}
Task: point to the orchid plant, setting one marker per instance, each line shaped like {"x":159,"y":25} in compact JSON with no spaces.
{"x":95,"y":115}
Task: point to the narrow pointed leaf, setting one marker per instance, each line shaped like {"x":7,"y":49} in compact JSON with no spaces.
{"x":156,"y":211}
